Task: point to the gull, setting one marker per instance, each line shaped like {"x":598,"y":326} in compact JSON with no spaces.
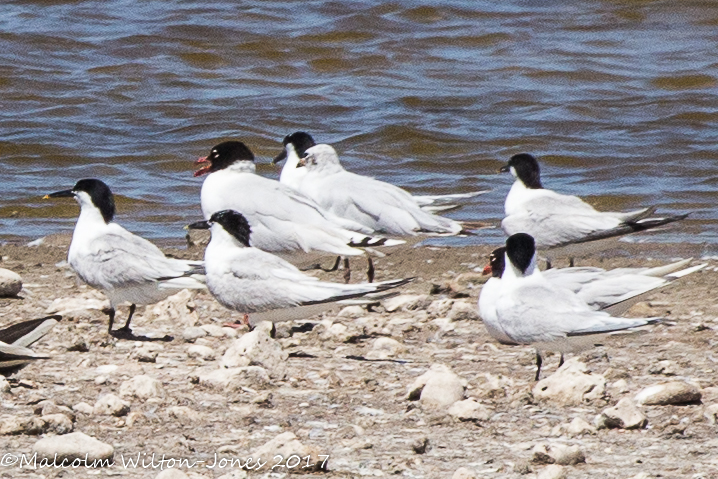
{"x":124,"y":266}
{"x":265,"y":287}
{"x":295,"y":147}
{"x":16,"y":338}
{"x":562,"y":221}
{"x":375,"y":204}
{"x":530,"y":310}
{"x":613,"y":291}
{"x":283,"y":221}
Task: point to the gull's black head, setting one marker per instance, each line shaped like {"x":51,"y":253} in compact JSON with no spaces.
{"x":526,"y":169}
{"x":497,"y":262}
{"x":223,"y":155}
{"x":521,"y":248}
{"x":93,"y":190}
{"x":233,"y":223}
{"x":300,"y":140}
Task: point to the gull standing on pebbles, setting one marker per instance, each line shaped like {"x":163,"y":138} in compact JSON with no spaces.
{"x":263,"y":286}
{"x":613,"y":291}
{"x":375,"y":204}
{"x":295,"y":147}
{"x":124,"y":266}
{"x":283,"y":221}
{"x":527,"y":309}
{"x":562,"y":221}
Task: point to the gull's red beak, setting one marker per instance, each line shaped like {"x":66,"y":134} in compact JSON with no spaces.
{"x":487,"y":270}
{"x":204,"y":169}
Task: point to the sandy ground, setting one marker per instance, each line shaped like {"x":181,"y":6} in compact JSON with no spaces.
{"x":357,"y":412}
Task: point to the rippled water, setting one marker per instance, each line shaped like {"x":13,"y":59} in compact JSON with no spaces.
{"x":619,"y":99}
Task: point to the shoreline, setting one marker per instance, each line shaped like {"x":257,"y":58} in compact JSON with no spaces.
{"x":357,"y":411}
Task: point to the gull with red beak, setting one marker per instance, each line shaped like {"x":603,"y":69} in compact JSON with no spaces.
{"x":283,"y":221}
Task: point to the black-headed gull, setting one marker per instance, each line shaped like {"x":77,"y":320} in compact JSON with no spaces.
{"x":530,"y":310}
{"x":262,"y":285}
{"x":563,"y":221}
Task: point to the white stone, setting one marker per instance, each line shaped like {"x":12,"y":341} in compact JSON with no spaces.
{"x":470,"y":410}
{"x":257,"y":348}
{"x":4,"y":385}
{"x":557,"y":453}
{"x":111,"y":405}
{"x":406,"y":302}
{"x":439,"y":387}
{"x":142,"y":387}
{"x":384,"y":348}
{"x":464,"y":473}
{"x":90,"y":300}
{"x":83,"y":408}
{"x":76,"y":445}
{"x":10,"y":283}
{"x":571,"y":385}
{"x":193,"y":333}
{"x":285,"y":445}
{"x":354,"y":311}
{"x":552,"y":471}
{"x":463,"y":310}
{"x":172,"y":473}
{"x":201,"y":352}
{"x":624,"y":415}
{"x":57,"y":423}
{"x":184,"y":414}
{"x":578,"y":427}
{"x":178,"y":309}
{"x":673,"y":392}
{"x":440,"y":307}
{"x":214,"y":330}
{"x":43,"y":408}
{"x":711,"y":413}
{"x":234,"y":379}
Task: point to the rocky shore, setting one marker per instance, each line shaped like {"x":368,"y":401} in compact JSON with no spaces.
{"x":412,"y":387}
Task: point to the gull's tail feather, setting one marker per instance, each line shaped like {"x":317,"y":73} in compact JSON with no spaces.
{"x":626,"y":228}
{"x":424,"y":200}
{"x":369,"y":242}
{"x":619,"y":325}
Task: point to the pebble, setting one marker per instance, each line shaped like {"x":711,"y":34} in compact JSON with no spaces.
{"x":439,"y":387}
{"x":354,"y":311}
{"x":421,"y":445}
{"x":178,"y":309}
{"x":470,"y":410}
{"x":4,"y":385}
{"x":10,"y":283}
{"x":464,"y":473}
{"x":234,"y":474}
{"x":463,"y":310}
{"x":673,"y":392}
{"x":76,"y":445}
{"x":234,"y":379}
{"x":11,"y":425}
{"x":384,"y":348}
{"x":287,"y":444}
{"x":172,"y":473}
{"x":624,"y":415}
{"x":257,"y":348}
{"x":111,"y":405}
{"x":142,"y":387}
{"x":43,"y":408}
{"x":557,"y":454}
{"x":57,"y":423}
{"x":214,"y":330}
{"x":184,"y":414}
{"x":342,"y":333}
{"x":440,"y":307}
{"x":146,"y":353}
{"x":201,"y":352}
{"x":71,"y":306}
{"x":405,"y":302}
{"x":552,"y":471}
{"x":83,"y":408}
{"x":578,"y":427}
{"x":711,"y":413}
{"x":571,"y":385}
{"x":193,"y":333}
